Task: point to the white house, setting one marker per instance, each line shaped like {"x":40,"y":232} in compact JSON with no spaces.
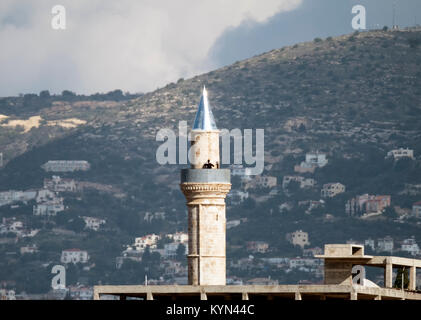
{"x":331,"y":190}
{"x":180,"y":237}
{"x":11,"y":196}
{"x":49,"y":208}
{"x":298,"y":238}
{"x":44,"y":195}
{"x":58,"y":184}
{"x":401,"y":153}
{"x":93,"y":223}
{"x":410,"y":246}
{"x":149,"y":240}
{"x":385,"y":244}
{"x":149,"y":216}
{"x":277,"y":260}
{"x":370,"y":244}
{"x":315,"y":160}
{"x":257,"y":246}
{"x":74,"y":256}
{"x":304,"y":182}
{"x":66,"y":165}
{"x":304,"y":262}
{"x":312,"y":161}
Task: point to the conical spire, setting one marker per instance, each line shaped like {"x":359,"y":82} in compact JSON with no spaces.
{"x":204,"y":118}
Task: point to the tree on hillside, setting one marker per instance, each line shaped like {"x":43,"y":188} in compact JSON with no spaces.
{"x":76,"y":224}
{"x":390,"y":212}
{"x":44,"y":94}
{"x":68,"y":95}
{"x":402,"y":273}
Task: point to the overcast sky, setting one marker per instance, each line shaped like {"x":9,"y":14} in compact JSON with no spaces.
{"x":139,"y":45}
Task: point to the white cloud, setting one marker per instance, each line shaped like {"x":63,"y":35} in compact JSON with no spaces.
{"x":129,"y":44}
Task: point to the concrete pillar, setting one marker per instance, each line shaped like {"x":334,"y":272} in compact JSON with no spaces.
{"x":412,"y":278}
{"x":353,"y":296}
{"x":193,"y":256}
{"x":388,"y":274}
{"x":244,"y":296}
{"x":298,"y":296}
{"x":338,"y":272}
{"x":203,"y":296}
{"x":149,"y":296}
{"x":379,"y":297}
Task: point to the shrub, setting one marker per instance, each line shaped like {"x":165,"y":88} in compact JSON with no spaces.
{"x":414,"y":42}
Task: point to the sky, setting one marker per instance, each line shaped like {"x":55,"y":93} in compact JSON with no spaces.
{"x":140,"y":45}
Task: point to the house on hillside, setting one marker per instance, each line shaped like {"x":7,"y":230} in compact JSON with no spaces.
{"x":401,"y":153}
{"x":66,"y":165}
{"x":331,"y":190}
{"x":298,"y":238}
{"x":312,"y":161}
{"x":58,"y":184}
{"x":416,"y":209}
{"x":367,"y":204}
{"x":257,"y":246}
{"x":74,"y":256}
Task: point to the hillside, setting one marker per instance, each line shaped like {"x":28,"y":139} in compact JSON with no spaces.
{"x":354,"y":97}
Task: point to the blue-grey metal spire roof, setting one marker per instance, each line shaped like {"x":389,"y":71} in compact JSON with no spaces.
{"x":204,"y":118}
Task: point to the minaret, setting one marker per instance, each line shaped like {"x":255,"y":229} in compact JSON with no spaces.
{"x":205,"y":186}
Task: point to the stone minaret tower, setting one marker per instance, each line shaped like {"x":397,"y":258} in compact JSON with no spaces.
{"x":205,"y":186}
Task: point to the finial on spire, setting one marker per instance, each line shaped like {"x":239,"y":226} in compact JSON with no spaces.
{"x":204,"y":118}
